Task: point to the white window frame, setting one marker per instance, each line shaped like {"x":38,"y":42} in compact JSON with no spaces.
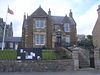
{"x":38,"y":40}
{"x":66,"y":27}
{"x":40,"y":23}
{"x":11,"y":45}
{"x":16,"y":46}
{"x":67,"y":39}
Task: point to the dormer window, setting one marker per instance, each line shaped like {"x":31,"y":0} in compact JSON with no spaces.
{"x":66,"y":27}
{"x":40,"y":23}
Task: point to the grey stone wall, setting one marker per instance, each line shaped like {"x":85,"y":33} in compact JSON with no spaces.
{"x":38,"y":66}
{"x":97,"y":58}
{"x":75,"y":57}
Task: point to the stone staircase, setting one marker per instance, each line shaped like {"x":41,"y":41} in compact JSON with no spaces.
{"x":61,"y":49}
{"x":84,"y":59}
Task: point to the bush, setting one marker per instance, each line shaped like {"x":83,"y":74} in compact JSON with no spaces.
{"x":8,"y":54}
{"x":48,"y":55}
{"x":46,"y":47}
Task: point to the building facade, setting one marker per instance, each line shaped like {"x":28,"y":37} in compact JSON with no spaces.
{"x":42,"y":29}
{"x":81,"y":37}
{"x":8,"y":31}
{"x":96,"y":30}
{"x":10,"y":42}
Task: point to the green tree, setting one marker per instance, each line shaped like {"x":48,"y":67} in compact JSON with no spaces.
{"x":87,"y":43}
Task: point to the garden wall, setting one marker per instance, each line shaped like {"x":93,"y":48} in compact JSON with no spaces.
{"x":37,"y":65}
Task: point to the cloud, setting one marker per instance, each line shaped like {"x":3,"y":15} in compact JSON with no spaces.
{"x":81,"y":1}
{"x":57,"y":8}
{"x":86,"y":22}
{"x":17,"y":28}
{"x":78,"y":1}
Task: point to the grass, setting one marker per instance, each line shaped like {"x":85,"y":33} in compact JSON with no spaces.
{"x":48,"y":55}
{"x":8,"y":54}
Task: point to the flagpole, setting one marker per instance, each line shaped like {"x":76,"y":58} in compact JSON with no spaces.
{"x":4,"y":31}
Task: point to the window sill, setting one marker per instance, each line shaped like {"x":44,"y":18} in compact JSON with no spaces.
{"x":40,"y":27}
{"x":39,"y":44}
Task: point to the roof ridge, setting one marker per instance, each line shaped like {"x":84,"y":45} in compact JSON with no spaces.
{"x":39,"y":12}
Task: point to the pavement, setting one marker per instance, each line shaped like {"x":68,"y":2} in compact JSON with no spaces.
{"x":79,"y":72}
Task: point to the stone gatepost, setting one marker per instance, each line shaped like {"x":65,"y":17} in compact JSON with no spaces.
{"x":75,"y":58}
{"x":97,"y":58}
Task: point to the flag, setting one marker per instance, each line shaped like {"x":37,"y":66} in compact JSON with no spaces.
{"x":10,"y":11}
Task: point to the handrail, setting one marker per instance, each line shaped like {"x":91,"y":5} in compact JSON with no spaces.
{"x":63,"y":45}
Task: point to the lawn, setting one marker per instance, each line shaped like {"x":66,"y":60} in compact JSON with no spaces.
{"x":48,"y":55}
{"x":8,"y":54}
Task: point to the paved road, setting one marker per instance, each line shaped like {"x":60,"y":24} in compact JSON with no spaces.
{"x":92,"y":72}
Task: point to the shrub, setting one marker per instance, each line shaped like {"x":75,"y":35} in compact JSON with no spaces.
{"x":8,"y":54}
{"x":48,"y":55}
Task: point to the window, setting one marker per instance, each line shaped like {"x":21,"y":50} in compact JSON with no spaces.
{"x":39,"y":39}
{"x":66,"y":27}
{"x":11,"y":45}
{"x":0,"y":45}
{"x":40,"y":23}
{"x":16,"y":46}
{"x":67,"y":39}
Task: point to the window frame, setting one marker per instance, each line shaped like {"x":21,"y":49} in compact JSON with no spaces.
{"x":11,"y":45}
{"x":38,"y":38}
{"x":67,"y":27}
{"x":38,"y":23}
{"x":66,"y":39}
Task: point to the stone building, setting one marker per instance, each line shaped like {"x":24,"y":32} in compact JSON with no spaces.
{"x":81,"y":37}
{"x":96,"y":40}
{"x":42,"y":29}
{"x":9,"y":30}
{"x":10,"y":42}
{"x":96,"y":31}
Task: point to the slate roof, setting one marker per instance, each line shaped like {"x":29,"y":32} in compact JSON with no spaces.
{"x":11,"y":39}
{"x":57,"y":19}
{"x":72,"y":21}
{"x":66,"y":19}
{"x":61,"y":19}
{"x":39,"y":13}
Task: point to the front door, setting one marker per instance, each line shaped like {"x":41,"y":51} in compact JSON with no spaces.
{"x":58,"y":38}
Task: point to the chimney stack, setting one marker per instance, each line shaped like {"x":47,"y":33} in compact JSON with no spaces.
{"x":24,"y":16}
{"x":70,"y":14}
{"x":49,"y":12}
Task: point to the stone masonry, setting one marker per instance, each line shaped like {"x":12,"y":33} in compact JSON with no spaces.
{"x":53,"y":24}
{"x":97,"y":58}
{"x":36,"y":66}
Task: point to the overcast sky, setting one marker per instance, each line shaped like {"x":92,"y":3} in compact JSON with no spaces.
{"x":84,"y":12}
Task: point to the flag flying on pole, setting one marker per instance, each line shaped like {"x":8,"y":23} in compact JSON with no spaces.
{"x":10,"y":11}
